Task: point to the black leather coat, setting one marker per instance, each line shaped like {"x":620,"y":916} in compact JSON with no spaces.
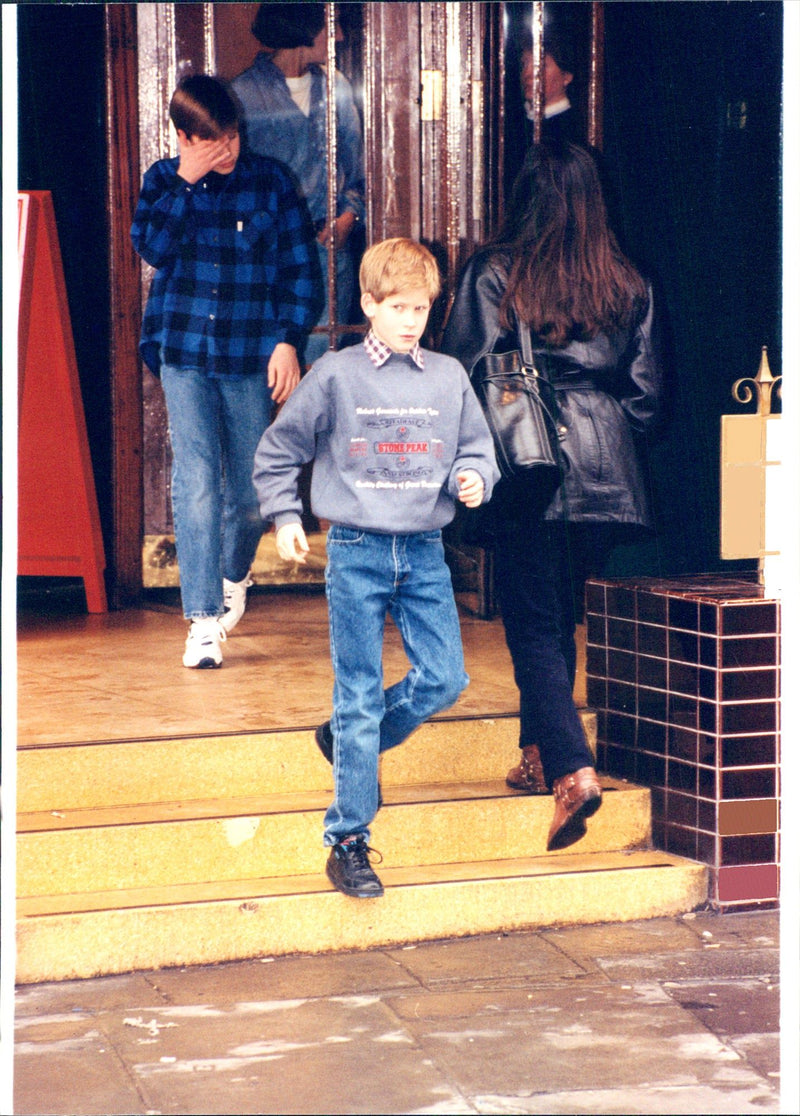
{"x":609,"y":391}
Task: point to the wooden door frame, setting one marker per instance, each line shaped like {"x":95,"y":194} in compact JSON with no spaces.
{"x":123,"y":183}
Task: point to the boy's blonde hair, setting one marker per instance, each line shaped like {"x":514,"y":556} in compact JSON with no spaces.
{"x":397,"y":265}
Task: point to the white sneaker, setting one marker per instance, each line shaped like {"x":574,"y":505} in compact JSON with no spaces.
{"x":234,"y":598}
{"x":202,"y":644}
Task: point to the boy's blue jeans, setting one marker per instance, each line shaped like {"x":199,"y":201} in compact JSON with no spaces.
{"x":367,"y":576}
{"x":214,"y":426}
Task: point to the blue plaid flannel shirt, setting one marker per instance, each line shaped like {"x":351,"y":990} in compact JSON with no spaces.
{"x":237,"y":268}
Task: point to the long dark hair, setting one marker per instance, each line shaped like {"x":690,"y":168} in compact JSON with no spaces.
{"x":567,"y":277}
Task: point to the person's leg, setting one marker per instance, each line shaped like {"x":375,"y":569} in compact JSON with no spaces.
{"x":246,"y":412}
{"x":194,"y":428}
{"x":528,"y":581}
{"x":424,"y":610}
{"x":359,"y":581}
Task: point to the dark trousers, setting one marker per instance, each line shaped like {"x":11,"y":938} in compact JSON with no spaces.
{"x":540,"y":569}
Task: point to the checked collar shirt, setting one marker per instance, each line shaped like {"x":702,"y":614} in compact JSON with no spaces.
{"x":236,"y":267}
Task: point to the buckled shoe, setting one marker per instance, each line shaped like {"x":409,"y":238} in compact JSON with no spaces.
{"x":578,"y":796}
{"x":528,"y":775}
{"x":349,"y":869}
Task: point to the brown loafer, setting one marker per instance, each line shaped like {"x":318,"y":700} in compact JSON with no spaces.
{"x":528,"y":775}
{"x":578,"y":796}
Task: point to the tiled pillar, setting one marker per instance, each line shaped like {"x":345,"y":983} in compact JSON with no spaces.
{"x":684,"y":675}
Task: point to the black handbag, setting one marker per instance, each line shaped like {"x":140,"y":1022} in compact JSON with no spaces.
{"x":522,"y":414}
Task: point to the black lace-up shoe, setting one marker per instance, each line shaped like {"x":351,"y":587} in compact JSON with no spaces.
{"x":324,"y":740}
{"x":349,"y":870}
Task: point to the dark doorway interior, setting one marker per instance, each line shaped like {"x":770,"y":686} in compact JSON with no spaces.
{"x":62,"y":148}
{"x":692,"y":138}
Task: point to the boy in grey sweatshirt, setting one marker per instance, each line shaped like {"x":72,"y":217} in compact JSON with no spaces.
{"x":397,"y":436}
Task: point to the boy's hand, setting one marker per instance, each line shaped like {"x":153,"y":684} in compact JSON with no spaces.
{"x":470,"y":488}
{"x":199,"y":156}
{"x":291,"y":542}
{"x":283,"y":371}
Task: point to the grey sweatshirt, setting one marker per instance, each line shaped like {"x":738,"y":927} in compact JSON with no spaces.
{"x":387,"y":443}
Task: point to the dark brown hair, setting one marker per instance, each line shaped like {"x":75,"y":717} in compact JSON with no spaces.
{"x":202,"y":106}
{"x":567,"y":275}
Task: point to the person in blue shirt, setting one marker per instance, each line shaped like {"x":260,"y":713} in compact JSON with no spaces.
{"x":398,"y":439}
{"x":236,"y":289}
{"x":284,"y":110}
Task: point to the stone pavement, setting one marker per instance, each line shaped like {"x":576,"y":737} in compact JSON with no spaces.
{"x":671,"y":1015}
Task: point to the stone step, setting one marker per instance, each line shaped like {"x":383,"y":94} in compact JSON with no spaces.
{"x":87,"y":775}
{"x":196,"y":841}
{"x":87,"y":934}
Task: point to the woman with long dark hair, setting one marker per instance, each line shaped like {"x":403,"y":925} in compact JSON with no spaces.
{"x":557,"y":268}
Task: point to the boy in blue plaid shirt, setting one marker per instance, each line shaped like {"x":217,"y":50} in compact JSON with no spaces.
{"x":235,"y":293}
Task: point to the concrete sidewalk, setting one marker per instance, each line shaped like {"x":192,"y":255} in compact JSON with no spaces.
{"x":674,"y":1015}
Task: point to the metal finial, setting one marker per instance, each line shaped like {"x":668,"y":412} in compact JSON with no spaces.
{"x":763,"y":382}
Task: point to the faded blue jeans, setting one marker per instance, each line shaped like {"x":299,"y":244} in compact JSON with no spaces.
{"x":367,"y":577}
{"x":215,"y":425}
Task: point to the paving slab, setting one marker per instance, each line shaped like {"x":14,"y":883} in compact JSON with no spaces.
{"x":490,"y":958}
{"x":635,"y":1102}
{"x":336,"y":1054}
{"x":330,"y":974}
{"x":606,"y":1035}
{"x":665,"y":1015}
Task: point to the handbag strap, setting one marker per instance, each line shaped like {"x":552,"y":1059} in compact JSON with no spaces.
{"x":526,"y":345}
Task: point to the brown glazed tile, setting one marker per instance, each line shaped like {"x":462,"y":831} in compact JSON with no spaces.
{"x":652,"y":737}
{"x":707,"y":782}
{"x":708,"y":716}
{"x":683,"y":646}
{"x":621,"y":729}
{"x":749,"y":717}
{"x":708,"y":683}
{"x":596,"y":661}
{"x":743,"y":751}
{"x":680,"y":841}
{"x":709,"y":619}
{"x":749,"y":619}
{"x":749,"y":849}
{"x":682,"y":777}
{"x":621,"y":601}
{"x":595,"y":597}
{"x":682,"y":613}
{"x":683,"y":678}
{"x":651,"y":672}
{"x":741,"y":685}
{"x":751,"y":651}
{"x":707,"y":848}
{"x":682,"y":809}
{"x":622,"y":697}
{"x":621,"y":634}
{"x":652,"y":640}
{"x":682,"y":711}
{"x":707,"y":815}
{"x":682,"y":744}
{"x":752,"y":815}
{"x":740,"y":883}
{"x":709,"y":652}
{"x":749,"y":783}
{"x":651,"y":608}
{"x":707,"y":749}
{"x":596,"y":692}
{"x":622,"y":665}
{"x":596,"y":630}
{"x":652,"y":704}
{"x":650,"y":770}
